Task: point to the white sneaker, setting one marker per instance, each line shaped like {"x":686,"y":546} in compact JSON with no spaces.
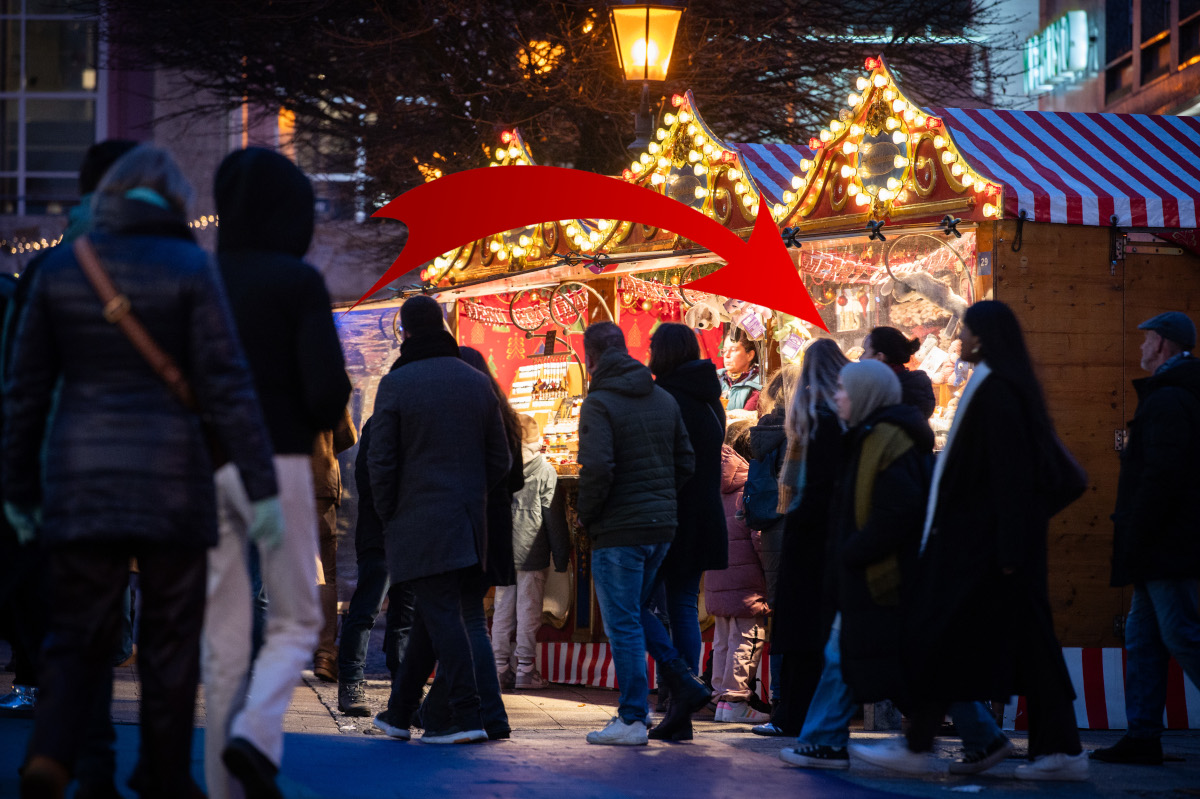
{"x":894,"y":755}
{"x":618,"y":733}
{"x":454,"y":735}
{"x":722,"y":713}
{"x":742,"y":713}
{"x":530,"y":680}
{"x":1057,"y":766}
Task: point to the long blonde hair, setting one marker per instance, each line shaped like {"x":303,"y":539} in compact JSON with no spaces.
{"x":823,"y":360}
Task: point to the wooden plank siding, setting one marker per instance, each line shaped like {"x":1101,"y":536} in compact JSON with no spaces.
{"x":1061,"y":286}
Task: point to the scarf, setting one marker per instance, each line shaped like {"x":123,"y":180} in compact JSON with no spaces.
{"x":439,"y":344}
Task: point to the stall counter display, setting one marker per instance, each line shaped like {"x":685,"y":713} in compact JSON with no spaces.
{"x":539,"y":387}
{"x":560,"y":438}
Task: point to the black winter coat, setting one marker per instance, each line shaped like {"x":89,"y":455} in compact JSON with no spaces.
{"x":282,"y":308}
{"x":634,"y":455}
{"x":500,"y":569}
{"x":872,"y":623}
{"x":701,"y":539}
{"x":970,"y":623}
{"x":124,"y":460}
{"x":1156,"y":525}
{"x":916,"y":389}
{"x":803,"y":610}
{"x":368,"y":530}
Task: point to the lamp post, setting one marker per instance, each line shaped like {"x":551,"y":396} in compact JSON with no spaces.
{"x":645,"y":37}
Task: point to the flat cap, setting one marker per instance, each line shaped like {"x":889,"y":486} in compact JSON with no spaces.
{"x":1173,"y":326}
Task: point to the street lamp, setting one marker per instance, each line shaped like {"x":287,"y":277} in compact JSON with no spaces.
{"x":645,"y":37}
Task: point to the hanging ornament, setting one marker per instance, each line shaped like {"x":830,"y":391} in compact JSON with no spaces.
{"x":863,"y":300}
{"x":675,"y":279}
{"x":842,"y":299}
{"x":647,"y":305}
{"x":829,"y":294}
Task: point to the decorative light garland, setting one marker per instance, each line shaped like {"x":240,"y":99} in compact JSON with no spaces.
{"x":531,"y":316}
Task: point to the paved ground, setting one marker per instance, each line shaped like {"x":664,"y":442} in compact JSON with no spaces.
{"x":331,"y":755}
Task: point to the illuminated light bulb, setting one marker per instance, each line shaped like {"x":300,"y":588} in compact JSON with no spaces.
{"x":708,"y":148}
{"x":852,"y":189}
{"x":894,"y":184}
{"x":733,"y":174}
{"x":889,"y":94}
{"x":949,"y":158}
{"x":862,"y":84}
{"x":653,"y":147}
{"x":699,"y":170}
{"x":685,"y":117}
{"x":661,"y":133}
{"x":836,"y":126}
{"x":898,"y":105}
{"x":848,"y":171}
{"x":919,"y":120}
{"x":572,"y":231}
{"x":514,"y":151}
{"x":990,"y":210}
{"x":899,"y":137}
{"x":594,"y":237}
{"x":899,"y":162}
{"x":637,"y":167}
{"x":494,"y":246}
{"x":849,"y":148}
{"x":645,"y":158}
{"x":968,"y":179}
{"x":862,"y":199}
{"x":664,"y":162}
{"x":739,"y":188}
{"x":701,"y":192}
{"x":753,"y":210}
{"x":939,"y":142}
{"x":748,"y":201}
{"x":853,"y":100}
{"x":956,"y":170}
{"x":856,"y":130}
{"x":692,"y":129}
{"x":657,"y":179}
{"x":788,"y":197}
{"x":502,"y":255}
{"x":579,"y":241}
{"x":518,"y":252}
{"x":668,"y":119}
{"x":797,"y":182}
{"x":777,"y":209}
{"x":524,"y":241}
{"x":885,"y":195}
{"x":892,"y":123}
{"x":880,"y":81}
{"x":694,"y":156}
{"x":805,"y":164}
{"x":825,"y":135}
{"x":699,"y":140}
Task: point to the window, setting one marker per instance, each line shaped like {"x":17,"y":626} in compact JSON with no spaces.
{"x":50,"y":103}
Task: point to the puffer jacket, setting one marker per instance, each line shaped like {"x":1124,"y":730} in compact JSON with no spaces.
{"x":92,"y":432}
{"x":740,"y":589}
{"x":634,"y":454}
{"x":534,"y":541}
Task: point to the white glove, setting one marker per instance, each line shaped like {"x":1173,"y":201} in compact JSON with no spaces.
{"x":267,"y":528}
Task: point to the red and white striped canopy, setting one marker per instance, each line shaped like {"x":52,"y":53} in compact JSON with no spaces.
{"x":1084,"y":169}
{"x":772,"y":166}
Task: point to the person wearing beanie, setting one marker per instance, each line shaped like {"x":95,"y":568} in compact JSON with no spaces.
{"x":438,"y":423}
{"x":536,"y":542}
{"x":285,"y":324}
{"x":890,"y":346}
{"x":1155,"y":546}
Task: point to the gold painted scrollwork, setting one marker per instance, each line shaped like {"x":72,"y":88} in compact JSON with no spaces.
{"x":813,"y":196}
{"x":836,"y":189}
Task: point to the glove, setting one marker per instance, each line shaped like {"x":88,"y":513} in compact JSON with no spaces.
{"x":267,"y":528}
{"x":25,"y":521}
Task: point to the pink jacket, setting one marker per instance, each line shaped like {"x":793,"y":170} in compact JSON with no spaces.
{"x":740,"y":590}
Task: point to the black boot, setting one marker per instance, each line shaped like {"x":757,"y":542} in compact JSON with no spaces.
{"x":688,"y":695}
{"x":664,"y":695}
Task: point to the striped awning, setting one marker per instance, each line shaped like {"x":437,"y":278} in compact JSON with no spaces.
{"x":772,"y":166}
{"x":1084,"y":169}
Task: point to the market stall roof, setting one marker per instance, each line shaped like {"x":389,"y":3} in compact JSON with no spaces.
{"x":1085,"y":169}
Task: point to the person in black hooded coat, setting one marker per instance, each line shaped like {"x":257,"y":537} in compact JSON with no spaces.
{"x":701,"y":540}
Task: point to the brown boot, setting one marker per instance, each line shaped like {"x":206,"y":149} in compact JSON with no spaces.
{"x":43,"y":778}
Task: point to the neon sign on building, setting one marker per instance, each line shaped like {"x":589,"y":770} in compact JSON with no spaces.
{"x":1058,"y":53}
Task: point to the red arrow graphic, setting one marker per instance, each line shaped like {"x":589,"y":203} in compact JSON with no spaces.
{"x":508,"y":197}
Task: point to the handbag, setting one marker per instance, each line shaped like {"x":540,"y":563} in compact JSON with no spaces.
{"x":119,"y":312}
{"x":760,"y":494}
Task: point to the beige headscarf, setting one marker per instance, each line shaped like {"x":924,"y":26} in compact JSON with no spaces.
{"x":871,"y":385}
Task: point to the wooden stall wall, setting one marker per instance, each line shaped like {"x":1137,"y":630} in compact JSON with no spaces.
{"x":1068,"y":293}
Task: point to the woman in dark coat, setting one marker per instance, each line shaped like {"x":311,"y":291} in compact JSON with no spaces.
{"x":701,"y":540}
{"x":801,"y":616}
{"x":981,"y":625}
{"x":889,"y":345}
{"x":98,"y":446}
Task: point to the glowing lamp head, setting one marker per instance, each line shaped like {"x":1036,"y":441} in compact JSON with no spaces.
{"x":506,"y":137}
{"x":815,"y":143}
{"x":677,"y":100}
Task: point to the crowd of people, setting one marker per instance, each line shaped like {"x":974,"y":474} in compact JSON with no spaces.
{"x":183,"y":412}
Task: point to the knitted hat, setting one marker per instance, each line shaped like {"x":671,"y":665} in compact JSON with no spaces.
{"x":421,"y":315}
{"x":870,"y":385}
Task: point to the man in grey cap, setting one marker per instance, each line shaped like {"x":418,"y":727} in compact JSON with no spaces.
{"x":1156,"y":533}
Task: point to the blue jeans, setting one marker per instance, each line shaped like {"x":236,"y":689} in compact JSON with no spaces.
{"x":832,"y":707}
{"x":682,"y":602}
{"x":1163,"y":621}
{"x":624,"y":578}
{"x":373,"y":585}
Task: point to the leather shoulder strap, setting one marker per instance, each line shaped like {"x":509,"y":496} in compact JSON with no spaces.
{"x":117,"y":311}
